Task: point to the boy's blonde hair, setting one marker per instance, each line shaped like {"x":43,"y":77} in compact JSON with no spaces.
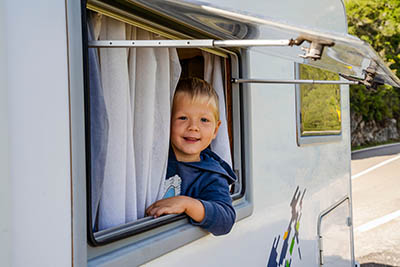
{"x":198,"y":89}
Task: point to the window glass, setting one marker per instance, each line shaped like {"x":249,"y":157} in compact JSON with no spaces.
{"x":320,"y":112}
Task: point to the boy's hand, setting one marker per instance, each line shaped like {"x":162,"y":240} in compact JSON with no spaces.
{"x":175,"y":205}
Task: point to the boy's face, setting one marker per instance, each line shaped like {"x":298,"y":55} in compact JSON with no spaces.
{"x":193,"y":127}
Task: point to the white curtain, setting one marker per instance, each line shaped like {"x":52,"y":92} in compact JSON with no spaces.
{"x":138,"y":84}
{"x":98,"y":123}
{"x":213,"y":75}
{"x":131,"y":91}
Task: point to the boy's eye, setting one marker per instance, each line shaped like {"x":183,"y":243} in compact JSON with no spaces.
{"x":182,"y":118}
{"x":204,"y":120}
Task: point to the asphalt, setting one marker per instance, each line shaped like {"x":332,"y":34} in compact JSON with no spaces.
{"x":376,"y":196}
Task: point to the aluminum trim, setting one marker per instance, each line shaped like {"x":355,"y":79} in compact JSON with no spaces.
{"x":293,"y":81}
{"x":189,"y":43}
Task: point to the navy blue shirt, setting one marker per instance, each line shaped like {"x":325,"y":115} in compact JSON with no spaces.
{"x":208,"y":181}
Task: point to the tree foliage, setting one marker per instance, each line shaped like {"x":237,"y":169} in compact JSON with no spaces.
{"x":320,"y":103}
{"x":378,"y":23}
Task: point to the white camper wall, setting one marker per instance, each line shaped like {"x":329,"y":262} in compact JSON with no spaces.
{"x":278,"y":165}
{"x":37,"y":121}
{"x":5,"y":196}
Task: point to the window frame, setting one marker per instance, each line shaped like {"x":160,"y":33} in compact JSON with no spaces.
{"x":137,"y":231}
{"x":313,"y":139}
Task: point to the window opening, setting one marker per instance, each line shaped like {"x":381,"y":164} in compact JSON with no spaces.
{"x":192,"y":63}
{"x":119,"y":99}
{"x":318,"y":106}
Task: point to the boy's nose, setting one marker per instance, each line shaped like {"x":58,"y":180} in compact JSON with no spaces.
{"x":193,"y":126}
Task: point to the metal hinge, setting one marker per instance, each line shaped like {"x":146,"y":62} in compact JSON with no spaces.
{"x":369,"y":77}
{"x":321,"y":249}
{"x":349,"y":222}
{"x":237,"y":186}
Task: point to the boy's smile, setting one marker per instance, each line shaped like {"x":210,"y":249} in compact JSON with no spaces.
{"x":193,"y":126}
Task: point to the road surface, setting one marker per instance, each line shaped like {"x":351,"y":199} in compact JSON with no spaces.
{"x":376,"y":206}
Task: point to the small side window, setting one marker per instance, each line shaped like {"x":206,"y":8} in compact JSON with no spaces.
{"x":318,"y":107}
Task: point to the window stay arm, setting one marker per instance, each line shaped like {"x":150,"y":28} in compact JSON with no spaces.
{"x":202,"y":43}
{"x":314,"y":51}
{"x":235,"y":80}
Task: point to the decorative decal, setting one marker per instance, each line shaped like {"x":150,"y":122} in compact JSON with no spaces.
{"x":172,"y":186}
{"x":294,"y":225}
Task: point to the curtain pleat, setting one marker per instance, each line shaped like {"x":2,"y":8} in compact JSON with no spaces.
{"x":145,"y":90}
{"x":114,"y":74}
{"x":131,"y":183}
{"x":213,"y":75}
{"x":98,"y":127}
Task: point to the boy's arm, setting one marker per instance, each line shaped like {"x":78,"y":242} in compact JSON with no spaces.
{"x":212,"y":210}
{"x":219,"y":212}
{"x":175,"y":205}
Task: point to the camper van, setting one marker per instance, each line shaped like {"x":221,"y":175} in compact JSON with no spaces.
{"x":85,"y":105}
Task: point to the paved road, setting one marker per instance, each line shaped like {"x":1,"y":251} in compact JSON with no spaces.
{"x":376,"y":206}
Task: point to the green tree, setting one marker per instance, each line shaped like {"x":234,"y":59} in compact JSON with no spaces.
{"x":378,"y":23}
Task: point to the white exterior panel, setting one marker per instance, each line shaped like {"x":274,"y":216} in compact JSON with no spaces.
{"x":278,"y":165}
{"x":38,"y":117}
{"x":5,"y":194}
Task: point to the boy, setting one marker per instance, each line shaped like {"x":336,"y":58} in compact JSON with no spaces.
{"x":200,"y":175}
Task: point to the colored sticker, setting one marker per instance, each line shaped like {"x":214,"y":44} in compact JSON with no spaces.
{"x":283,"y":259}
{"x":291,"y":246}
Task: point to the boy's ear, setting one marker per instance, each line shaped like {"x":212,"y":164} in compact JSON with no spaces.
{"x":216,"y":128}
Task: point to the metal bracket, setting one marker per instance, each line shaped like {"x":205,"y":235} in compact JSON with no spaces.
{"x":349,"y":221}
{"x":369,"y":77}
{"x":321,"y":250}
{"x":316,"y":48}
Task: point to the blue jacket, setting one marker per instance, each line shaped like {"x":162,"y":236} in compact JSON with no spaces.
{"x":208,"y":181}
